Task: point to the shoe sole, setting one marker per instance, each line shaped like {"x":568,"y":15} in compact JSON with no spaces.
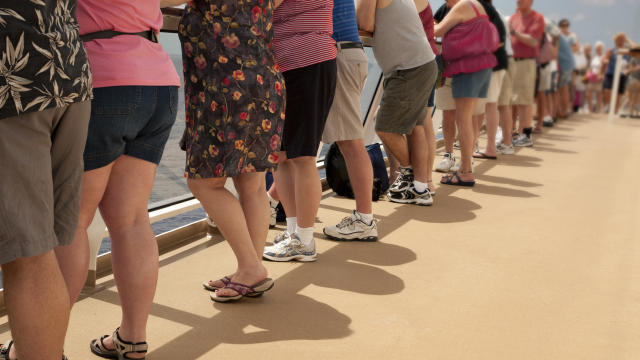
{"x":364,"y":239}
{"x":300,"y":258}
{"x":528,"y":145}
{"x":413,"y":201}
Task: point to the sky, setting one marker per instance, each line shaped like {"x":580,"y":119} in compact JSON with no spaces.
{"x":592,"y":20}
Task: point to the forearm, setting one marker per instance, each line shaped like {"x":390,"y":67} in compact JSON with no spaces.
{"x":525,"y":38}
{"x":366,"y":14}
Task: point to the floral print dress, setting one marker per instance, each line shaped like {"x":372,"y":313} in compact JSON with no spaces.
{"x":234,"y":93}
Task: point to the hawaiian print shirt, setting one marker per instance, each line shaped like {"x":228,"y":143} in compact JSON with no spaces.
{"x":42,"y":61}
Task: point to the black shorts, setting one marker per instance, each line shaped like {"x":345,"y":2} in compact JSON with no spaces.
{"x":310,"y":92}
{"x":608,"y":83}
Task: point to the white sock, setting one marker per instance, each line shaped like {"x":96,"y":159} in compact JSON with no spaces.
{"x":366,"y":218}
{"x":305,"y":235}
{"x":420,"y":186}
{"x":292,"y":223}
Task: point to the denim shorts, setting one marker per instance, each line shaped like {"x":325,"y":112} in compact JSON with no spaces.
{"x":129,"y":120}
{"x":474,"y":85}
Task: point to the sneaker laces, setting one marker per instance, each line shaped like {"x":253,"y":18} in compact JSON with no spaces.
{"x":347,"y":221}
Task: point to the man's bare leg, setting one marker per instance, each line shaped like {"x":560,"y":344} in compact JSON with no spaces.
{"x":38,"y":306}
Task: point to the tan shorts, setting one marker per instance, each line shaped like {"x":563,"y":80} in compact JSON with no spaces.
{"x":445,"y":101}
{"x":40,"y":178}
{"x":345,"y":117}
{"x":497,"y":78}
{"x":507,"y":85}
{"x":544,"y":80}
{"x":524,"y":82}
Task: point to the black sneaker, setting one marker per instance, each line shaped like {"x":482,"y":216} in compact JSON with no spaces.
{"x":403,"y":181}
{"x":411,"y":196}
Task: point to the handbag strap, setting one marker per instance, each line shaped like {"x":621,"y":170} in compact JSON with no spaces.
{"x":474,"y":7}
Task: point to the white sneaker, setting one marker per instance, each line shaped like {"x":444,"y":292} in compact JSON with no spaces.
{"x":456,"y":167}
{"x":506,"y":149}
{"x":448,"y":161}
{"x":411,"y":196}
{"x":523,"y":141}
{"x":273,"y":208}
{"x":291,"y":249}
{"x":353,"y":228}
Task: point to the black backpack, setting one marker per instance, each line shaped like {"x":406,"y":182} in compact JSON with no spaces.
{"x":338,"y":177}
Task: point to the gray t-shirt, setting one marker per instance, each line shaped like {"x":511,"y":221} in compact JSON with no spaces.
{"x":399,"y":39}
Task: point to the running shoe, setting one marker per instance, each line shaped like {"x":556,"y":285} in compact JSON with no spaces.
{"x":506,"y":149}
{"x":523,"y":141}
{"x":353,"y":228}
{"x":411,"y":196}
{"x":403,"y":181}
{"x":273,"y":215}
{"x":281,"y":237}
{"x":448,"y":161}
{"x":291,"y":249}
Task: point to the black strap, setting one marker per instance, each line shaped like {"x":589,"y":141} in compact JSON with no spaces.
{"x":108,"y":34}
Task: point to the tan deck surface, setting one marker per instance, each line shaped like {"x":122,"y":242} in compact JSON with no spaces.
{"x":541,"y":260}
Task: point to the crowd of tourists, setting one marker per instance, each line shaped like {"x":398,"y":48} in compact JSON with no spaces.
{"x":89,"y":97}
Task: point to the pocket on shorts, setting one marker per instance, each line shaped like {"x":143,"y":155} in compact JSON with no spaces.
{"x":115,"y":101}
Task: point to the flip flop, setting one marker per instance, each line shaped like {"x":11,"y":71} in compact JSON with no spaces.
{"x":244,"y":290}
{"x":481,"y":155}
{"x":449,"y":180}
{"x":225,"y":280}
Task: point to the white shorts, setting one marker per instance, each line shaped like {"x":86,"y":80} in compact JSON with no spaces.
{"x":497,"y":77}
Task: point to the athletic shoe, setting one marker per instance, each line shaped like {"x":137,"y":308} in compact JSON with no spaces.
{"x":273,"y":207}
{"x":411,"y":196}
{"x":523,"y":141}
{"x":353,"y":228}
{"x":506,"y":149}
{"x":403,"y":181}
{"x":281,"y":237}
{"x":291,"y":249}
{"x":548,"y":121}
{"x":448,"y":161}
{"x":456,"y":167}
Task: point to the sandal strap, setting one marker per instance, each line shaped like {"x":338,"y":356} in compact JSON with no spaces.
{"x":241,"y":289}
{"x":125,"y":347}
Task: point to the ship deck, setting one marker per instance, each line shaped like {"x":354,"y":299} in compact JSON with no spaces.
{"x":541,"y":260}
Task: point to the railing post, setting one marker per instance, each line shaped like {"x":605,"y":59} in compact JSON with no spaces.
{"x":616,"y":85}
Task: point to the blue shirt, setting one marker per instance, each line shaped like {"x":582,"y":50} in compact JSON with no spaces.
{"x":345,"y":27}
{"x":565,"y":55}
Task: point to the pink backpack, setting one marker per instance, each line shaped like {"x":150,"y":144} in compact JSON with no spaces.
{"x":469,"y":46}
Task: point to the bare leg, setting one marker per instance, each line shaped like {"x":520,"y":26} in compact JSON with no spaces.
{"x":477,"y":126}
{"x":506,"y":123}
{"x":255,"y":207}
{"x":38,"y":306}
{"x":285,"y":184}
{"x":74,"y":258}
{"x":393,"y":166}
{"x":273,"y":191}
{"x":599,"y":101}
{"x":397,"y":145}
{"x":492,"y":129}
{"x":308,"y":190}
{"x":526,"y":116}
{"x":542,"y":108}
{"x":227,"y":212}
{"x":134,"y":250}
{"x":464,"y":118}
{"x":419,"y":154}
{"x":589,"y":96}
{"x":449,"y":129}
{"x":360,"y":172}
{"x":430,"y":136}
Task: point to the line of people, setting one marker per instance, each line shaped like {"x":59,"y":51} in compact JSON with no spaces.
{"x":265,"y":81}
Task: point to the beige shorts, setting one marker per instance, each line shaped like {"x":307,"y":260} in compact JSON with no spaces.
{"x":524,"y":82}
{"x":497,"y":78}
{"x":445,"y":101}
{"x":506,"y":92}
{"x":345,"y":117}
{"x":40,"y":178}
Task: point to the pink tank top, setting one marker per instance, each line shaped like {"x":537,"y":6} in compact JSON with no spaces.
{"x":426,"y":16}
{"x":126,"y":59}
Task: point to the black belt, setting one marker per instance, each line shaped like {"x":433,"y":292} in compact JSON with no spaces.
{"x":349,"y":45}
{"x":521,"y":59}
{"x":108,"y":34}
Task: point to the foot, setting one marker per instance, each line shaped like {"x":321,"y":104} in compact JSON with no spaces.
{"x":244,"y":276}
{"x":109,"y":345}
{"x":291,"y":249}
{"x":463,"y":176}
{"x":506,"y":149}
{"x":353,"y":228}
{"x":218,"y":284}
{"x":448,"y":161}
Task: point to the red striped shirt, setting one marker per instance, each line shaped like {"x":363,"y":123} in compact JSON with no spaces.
{"x":302,"y":33}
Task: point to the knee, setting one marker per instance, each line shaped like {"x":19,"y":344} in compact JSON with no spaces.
{"x":250,"y":184}
{"x":198,"y":186}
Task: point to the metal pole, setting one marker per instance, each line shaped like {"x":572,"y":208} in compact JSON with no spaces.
{"x":616,"y":86}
